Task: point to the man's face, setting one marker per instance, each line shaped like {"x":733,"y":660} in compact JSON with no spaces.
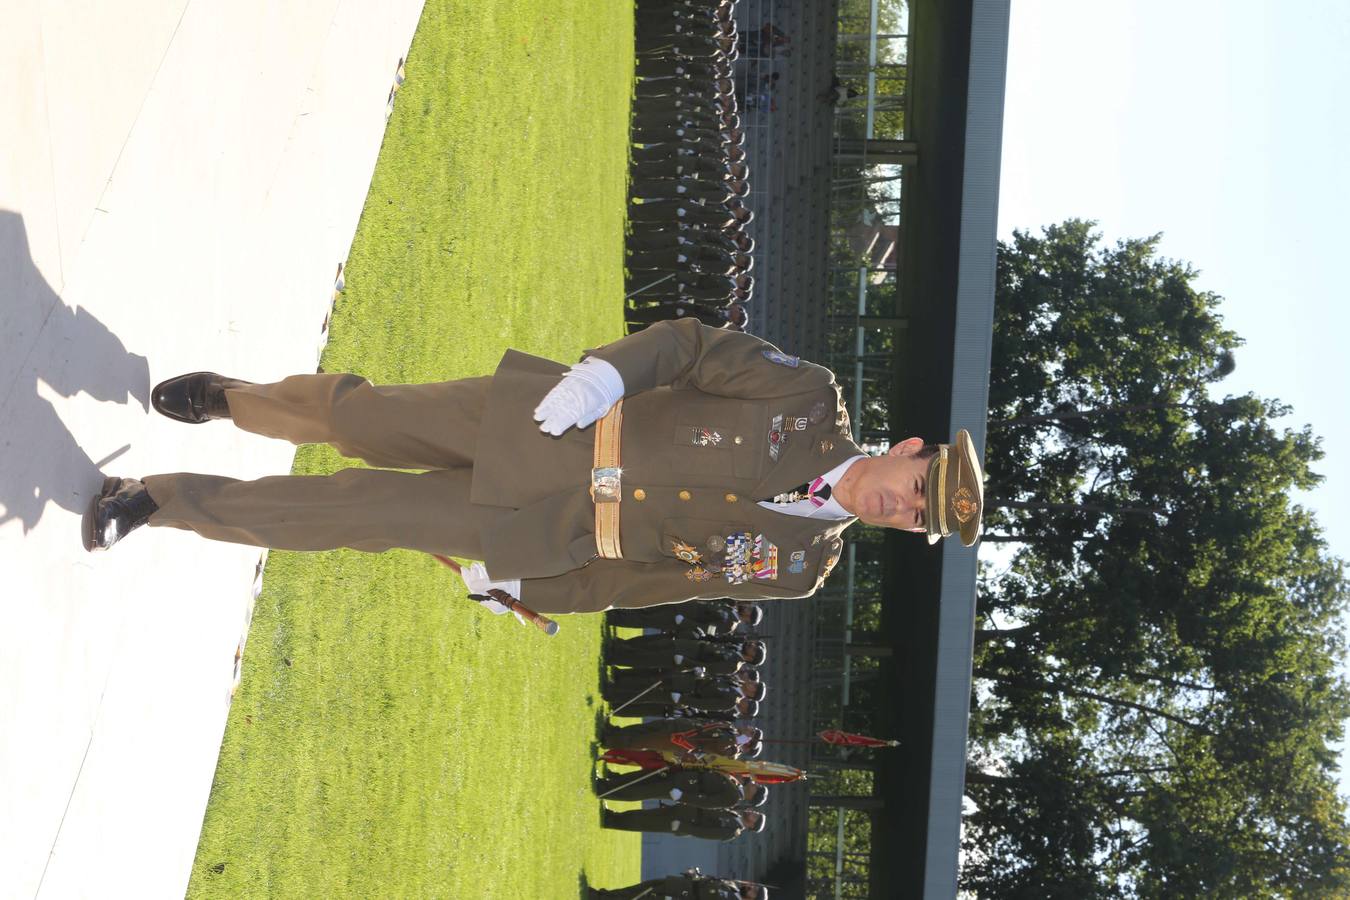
{"x":889,"y":490}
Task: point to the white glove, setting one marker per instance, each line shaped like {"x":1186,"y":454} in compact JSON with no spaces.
{"x":583,"y":395}
{"x":476,"y":580}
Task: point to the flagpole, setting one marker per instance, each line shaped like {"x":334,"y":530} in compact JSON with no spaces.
{"x":636,"y":697}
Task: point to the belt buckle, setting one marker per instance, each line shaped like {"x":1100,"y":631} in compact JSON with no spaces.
{"x":606,"y":484}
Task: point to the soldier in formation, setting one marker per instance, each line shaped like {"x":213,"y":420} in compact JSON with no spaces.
{"x":689,"y":253}
{"x":687,"y":821}
{"x":661,"y":651}
{"x":691,"y":885}
{"x":689,"y":739}
{"x":709,"y":617}
{"x":705,"y":788}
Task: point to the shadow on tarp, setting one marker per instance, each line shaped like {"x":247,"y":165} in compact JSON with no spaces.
{"x":68,"y":351}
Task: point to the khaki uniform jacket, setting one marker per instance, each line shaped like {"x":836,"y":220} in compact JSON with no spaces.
{"x":713,"y":421}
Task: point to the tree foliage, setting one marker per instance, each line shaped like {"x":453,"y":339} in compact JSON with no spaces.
{"x":1157,"y":688}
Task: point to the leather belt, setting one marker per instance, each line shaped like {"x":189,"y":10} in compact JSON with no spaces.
{"x":607,"y":482}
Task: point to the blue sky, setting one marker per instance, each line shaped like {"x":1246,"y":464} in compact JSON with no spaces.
{"x":1226,"y":126}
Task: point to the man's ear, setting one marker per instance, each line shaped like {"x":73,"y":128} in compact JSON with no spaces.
{"x":907,"y":447}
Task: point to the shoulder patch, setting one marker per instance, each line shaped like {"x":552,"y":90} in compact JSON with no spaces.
{"x":781,"y":358}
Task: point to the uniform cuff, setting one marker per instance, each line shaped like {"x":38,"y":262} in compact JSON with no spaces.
{"x":602,"y":375}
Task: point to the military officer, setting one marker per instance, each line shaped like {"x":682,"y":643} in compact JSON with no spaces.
{"x":752,"y":794}
{"x":719,"y":701}
{"x":687,"y":619}
{"x":686,"y":737}
{"x":690,"y":886}
{"x":686,"y":821}
{"x":684,"y":654}
{"x":727,"y":447}
{"x":732,"y":315}
{"x":718,"y":695}
{"x":744,"y":708}
{"x":682,"y":686}
{"x":705,"y":788}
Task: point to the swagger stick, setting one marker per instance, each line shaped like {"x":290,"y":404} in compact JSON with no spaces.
{"x":542,"y":622}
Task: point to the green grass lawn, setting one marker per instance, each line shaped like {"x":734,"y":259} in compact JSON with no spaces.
{"x":390,"y":739}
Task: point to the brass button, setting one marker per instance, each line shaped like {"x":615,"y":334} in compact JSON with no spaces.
{"x":738,"y":439}
{"x":685,"y":495}
{"x":732,"y":498}
{"x":639,"y":495}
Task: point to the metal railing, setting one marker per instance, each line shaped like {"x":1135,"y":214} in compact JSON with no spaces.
{"x":866,"y":315}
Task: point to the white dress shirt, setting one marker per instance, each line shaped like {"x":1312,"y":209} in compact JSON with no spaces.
{"x":830,"y":509}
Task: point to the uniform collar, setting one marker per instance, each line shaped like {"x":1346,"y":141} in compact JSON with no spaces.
{"x":831,"y":509}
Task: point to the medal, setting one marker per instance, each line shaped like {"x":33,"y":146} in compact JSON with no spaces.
{"x":685,"y":553}
{"x":704,"y":437}
{"x":776,"y":437}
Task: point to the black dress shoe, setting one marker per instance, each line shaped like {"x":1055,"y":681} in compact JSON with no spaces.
{"x":123,"y":505}
{"x":195,"y":398}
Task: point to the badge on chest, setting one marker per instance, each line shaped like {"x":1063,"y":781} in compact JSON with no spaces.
{"x":780,"y":427}
{"x":743,"y":557}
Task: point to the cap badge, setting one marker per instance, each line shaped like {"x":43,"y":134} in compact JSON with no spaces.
{"x":964,"y":505}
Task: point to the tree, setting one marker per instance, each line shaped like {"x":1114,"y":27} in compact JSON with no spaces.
{"x":1158,"y":666}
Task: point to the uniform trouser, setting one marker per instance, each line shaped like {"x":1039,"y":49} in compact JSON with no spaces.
{"x":646,"y":736}
{"x":661,"y":120}
{"x":650,"y":315}
{"x":430,"y":427}
{"x":647,"y":890}
{"x":668,"y":212}
{"x":685,"y":293}
{"x":636,"y":653}
{"x":668,"y":67}
{"x":670,"y":86}
{"x":705,"y":192}
{"x":678,"y":259}
{"x":634,"y":786}
{"x":660,"y":819}
{"x":671,"y":168}
{"x":687,"y":102}
{"x":667,"y":151}
{"x":654,"y":239}
{"x":622,"y":692}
